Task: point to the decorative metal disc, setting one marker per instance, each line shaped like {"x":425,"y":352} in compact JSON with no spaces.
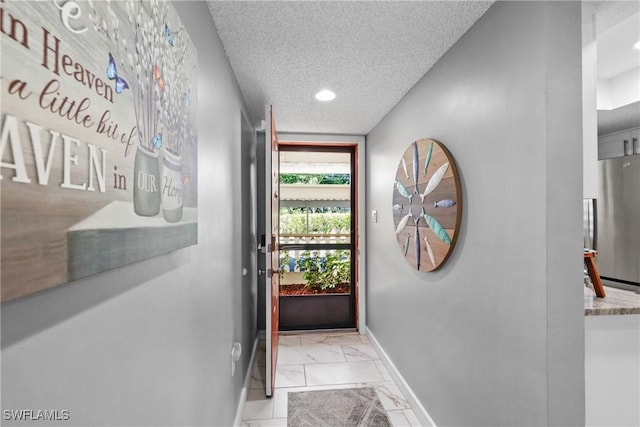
{"x":427,"y":204}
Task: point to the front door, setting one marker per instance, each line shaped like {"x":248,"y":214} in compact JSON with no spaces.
{"x":272,"y":210}
{"x":318,"y":261}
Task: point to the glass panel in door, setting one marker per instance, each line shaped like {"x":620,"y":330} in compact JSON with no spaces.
{"x":316,"y":228}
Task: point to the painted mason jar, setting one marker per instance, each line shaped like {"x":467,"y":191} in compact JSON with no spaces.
{"x":172,"y":187}
{"x":146,"y":191}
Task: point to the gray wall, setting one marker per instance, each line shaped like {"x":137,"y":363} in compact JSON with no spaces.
{"x":149,"y":344}
{"x":496,"y":337}
{"x":249,"y":226}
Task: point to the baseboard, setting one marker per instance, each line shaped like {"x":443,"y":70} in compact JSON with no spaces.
{"x":245,"y":386}
{"x":412,"y":399}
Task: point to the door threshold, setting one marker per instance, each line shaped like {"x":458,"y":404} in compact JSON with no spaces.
{"x":317,"y":331}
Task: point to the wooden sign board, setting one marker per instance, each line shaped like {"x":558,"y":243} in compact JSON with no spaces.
{"x":98,"y":138}
{"x":427,"y":204}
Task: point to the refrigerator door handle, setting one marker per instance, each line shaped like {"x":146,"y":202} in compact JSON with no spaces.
{"x":633,"y":146}
{"x":626,"y":144}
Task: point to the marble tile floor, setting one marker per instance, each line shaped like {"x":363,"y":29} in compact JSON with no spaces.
{"x":318,"y":361}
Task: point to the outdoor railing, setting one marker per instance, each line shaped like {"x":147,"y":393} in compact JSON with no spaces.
{"x":295,"y":245}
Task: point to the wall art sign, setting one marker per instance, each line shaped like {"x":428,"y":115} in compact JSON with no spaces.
{"x":98,"y":138}
{"x":427,"y":204}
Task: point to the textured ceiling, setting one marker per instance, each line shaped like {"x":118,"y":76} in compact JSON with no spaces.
{"x":611,"y":13}
{"x":369,"y":53}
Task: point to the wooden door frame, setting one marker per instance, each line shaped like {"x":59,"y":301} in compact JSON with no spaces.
{"x":337,"y":322}
{"x":358,"y":143}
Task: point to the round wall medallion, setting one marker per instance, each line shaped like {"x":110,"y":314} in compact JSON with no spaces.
{"x":427,"y":204}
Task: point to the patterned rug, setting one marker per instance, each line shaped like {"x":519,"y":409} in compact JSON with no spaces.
{"x":351,"y":407}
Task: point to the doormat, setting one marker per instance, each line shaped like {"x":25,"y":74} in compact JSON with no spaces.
{"x":351,"y":407}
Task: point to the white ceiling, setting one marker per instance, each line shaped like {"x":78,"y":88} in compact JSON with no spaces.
{"x":369,"y":53}
{"x":616,"y":54}
{"x":618,"y":28}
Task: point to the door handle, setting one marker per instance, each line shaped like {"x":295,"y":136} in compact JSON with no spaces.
{"x":626,"y":143}
{"x":633,"y":146}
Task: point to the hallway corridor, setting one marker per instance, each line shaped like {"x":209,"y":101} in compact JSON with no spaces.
{"x":320,"y":361}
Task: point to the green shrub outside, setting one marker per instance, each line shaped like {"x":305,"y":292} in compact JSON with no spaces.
{"x":319,"y":223}
{"x":325,"y":272}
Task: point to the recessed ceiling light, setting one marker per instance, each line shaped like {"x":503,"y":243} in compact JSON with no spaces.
{"x":325,"y":95}
{"x":637,"y":45}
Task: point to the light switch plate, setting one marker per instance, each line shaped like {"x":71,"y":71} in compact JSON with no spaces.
{"x":236,"y":351}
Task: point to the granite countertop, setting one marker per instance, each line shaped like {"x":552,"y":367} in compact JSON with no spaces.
{"x":616,"y":301}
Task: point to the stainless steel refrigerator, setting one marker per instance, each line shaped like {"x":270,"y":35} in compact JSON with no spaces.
{"x":617,"y":220}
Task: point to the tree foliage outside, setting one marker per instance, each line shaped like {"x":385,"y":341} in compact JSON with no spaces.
{"x":314,"y":179}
